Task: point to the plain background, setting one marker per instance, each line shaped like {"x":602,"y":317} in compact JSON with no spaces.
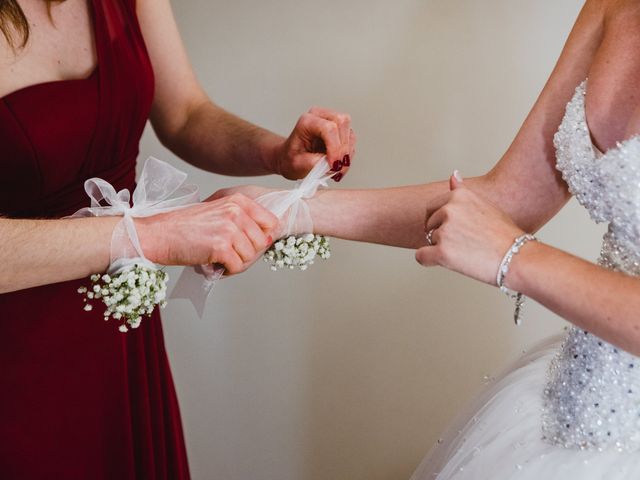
{"x":350,"y":370}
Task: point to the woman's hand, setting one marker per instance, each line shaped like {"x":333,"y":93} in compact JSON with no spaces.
{"x":232,"y":231}
{"x":470,"y":234}
{"x":319,"y":132}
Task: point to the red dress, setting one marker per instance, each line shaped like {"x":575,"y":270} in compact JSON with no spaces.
{"x":78,"y":399}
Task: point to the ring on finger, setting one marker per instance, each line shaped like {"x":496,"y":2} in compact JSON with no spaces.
{"x":429,"y":237}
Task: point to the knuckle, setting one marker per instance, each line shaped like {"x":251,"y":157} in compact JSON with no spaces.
{"x":344,"y":118}
{"x":237,"y":198}
{"x":331,"y":128}
{"x":233,"y":212}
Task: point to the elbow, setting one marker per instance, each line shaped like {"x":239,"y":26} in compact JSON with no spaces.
{"x":172,"y":124}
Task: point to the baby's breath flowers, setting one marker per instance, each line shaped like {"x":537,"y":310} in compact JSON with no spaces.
{"x":128,"y":294}
{"x":297,"y":251}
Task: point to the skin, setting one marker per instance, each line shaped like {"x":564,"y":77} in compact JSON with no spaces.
{"x":233,"y":231}
{"x":477,"y":219}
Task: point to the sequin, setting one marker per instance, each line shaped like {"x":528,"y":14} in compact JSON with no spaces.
{"x":590,"y":401}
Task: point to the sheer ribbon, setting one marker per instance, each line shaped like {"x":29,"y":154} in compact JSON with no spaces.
{"x":286,"y":204}
{"x":161,"y":188}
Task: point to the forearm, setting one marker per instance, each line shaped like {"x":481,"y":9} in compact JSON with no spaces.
{"x":601,"y":301}
{"x":39,"y":252}
{"x":390,"y":216}
{"x":219,"y":142}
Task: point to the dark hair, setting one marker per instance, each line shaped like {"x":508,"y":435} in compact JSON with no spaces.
{"x":13,"y":21}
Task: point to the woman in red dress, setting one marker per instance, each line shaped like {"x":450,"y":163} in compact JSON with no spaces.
{"x":78,"y":81}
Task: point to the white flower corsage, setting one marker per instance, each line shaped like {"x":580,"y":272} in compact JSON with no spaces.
{"x":133,"y":286}
{"x":128,"y":295}
{"x":297,"y":251}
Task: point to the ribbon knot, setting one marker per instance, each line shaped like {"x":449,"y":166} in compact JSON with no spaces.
{"x":197,"y":283}
{"x":161,"y":188}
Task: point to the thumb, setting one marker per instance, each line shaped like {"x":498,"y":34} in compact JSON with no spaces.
{"x":455,"y":181}
{"x":426,"y":257}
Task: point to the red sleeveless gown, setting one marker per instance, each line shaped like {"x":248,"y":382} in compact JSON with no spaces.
{"x":78,"y":399}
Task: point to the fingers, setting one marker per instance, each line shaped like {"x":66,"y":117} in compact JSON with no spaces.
{"x":230,"y":260}
{"x":455,"y":181}
{"x":343,"y":122}
{"x":328,"y":131}
{"x":260,"y":241}
{"x":266,"y":220}
{"x":340,"y":161}
{"x":436,"y":219}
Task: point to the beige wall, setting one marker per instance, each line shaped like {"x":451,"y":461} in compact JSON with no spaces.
{"x":350,"y":370}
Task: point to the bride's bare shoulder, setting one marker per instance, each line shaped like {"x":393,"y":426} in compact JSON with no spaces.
{"x":620,"y":12}
{"x":614,"y":76}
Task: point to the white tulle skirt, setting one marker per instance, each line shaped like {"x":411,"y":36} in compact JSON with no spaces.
{"x":499,"y":437}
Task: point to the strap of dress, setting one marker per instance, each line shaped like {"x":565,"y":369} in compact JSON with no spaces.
{"x":125,"y":85}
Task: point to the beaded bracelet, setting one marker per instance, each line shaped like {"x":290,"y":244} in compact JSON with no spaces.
{"x":504,"y":269}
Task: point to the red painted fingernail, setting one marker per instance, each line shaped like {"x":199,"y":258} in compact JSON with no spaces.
{"x":337,"y":166}
{"x":337,"y":177}
{"x":346,"y":161}
{"x":270,"y":239}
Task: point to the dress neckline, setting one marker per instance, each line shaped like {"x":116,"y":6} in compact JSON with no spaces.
{"x":50,"y":83}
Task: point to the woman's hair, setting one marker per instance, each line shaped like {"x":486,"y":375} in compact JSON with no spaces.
{"x":13,"y":22}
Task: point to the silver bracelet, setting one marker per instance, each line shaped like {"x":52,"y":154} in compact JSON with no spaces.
{"x":504,"y":269}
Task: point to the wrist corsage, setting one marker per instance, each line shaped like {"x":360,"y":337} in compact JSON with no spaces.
{"x":133,"y":286}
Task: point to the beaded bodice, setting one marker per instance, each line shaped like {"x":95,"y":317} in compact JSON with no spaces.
{"x":592,"y":398}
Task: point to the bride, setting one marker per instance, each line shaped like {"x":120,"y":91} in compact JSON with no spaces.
{"x":567,"y":410}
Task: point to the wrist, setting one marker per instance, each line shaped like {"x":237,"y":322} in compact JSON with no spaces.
{"x":519,"y":275}
{"x":320,"y":213}
{"x":145,"y":229}
{"x":272,"y":149}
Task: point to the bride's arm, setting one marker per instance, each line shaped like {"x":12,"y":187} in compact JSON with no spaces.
{"x":524,"y":182}
{"x":472,"y":234}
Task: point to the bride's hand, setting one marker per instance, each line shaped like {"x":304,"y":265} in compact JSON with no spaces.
{"x":470,"y":234}
{"x":232,"y":231}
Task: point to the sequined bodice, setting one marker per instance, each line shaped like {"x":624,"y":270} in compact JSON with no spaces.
{"x":592,"y":399}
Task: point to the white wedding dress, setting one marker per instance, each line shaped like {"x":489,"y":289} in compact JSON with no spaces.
{"x":571,"y":408}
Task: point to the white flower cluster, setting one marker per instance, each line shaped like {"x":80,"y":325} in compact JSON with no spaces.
{"x":297,"y":251}
{"x":129,"y":294}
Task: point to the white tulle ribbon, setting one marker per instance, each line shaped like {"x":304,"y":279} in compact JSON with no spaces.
{"x":161,"y":188}
{"x":287,"y":203}
{"x":291,"y":203}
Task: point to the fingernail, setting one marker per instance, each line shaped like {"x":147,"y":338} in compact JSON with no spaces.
{"x":457,"y":176}
{"x":270,"y":240}
{"x":346,"y":161}
{"x":337,"y":177}
{"x":337,"y":166}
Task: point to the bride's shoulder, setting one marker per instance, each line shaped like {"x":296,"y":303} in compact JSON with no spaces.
{"x":620,"y":12}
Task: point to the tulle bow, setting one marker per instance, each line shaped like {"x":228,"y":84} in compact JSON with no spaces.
{"x":196,"y":284}
{"x":161,"y":188}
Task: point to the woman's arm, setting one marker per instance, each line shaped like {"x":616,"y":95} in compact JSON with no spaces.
{"x":601,"y":301}
{"x":205,"y":135}
{"x":232,"y":231}
{"x":39,"y":252}
{"x":524,"y":182}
